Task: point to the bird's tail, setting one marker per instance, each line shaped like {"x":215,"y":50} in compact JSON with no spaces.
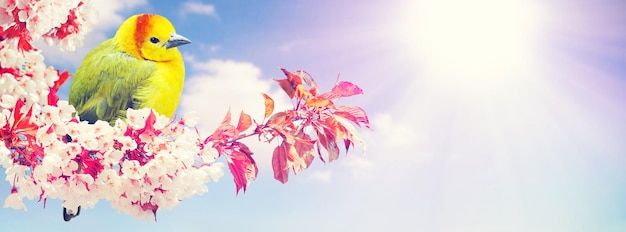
{"x":69,"y":214}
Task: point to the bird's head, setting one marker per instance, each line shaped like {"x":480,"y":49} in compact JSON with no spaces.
{"x":150,"y":37}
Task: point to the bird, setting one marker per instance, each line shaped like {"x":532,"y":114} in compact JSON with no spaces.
{"x":139,"y":67}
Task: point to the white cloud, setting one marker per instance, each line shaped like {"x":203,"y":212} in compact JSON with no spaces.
{"x":321,"y":175}
{"x":110,"y":12}
{"x":392,"y":141}
{"x":215,"y":85}
{"x":198,"y":8}
{"x":359,"y":167}
{"x":394,"y":133}
{"x":214,"y":48}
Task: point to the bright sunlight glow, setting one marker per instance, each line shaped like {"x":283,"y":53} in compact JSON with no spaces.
{"x":479,"y":40}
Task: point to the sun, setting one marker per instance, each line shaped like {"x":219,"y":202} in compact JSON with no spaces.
{"x":475,"y":40}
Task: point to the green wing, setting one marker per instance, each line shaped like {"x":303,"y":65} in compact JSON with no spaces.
{"x":105,"y":82}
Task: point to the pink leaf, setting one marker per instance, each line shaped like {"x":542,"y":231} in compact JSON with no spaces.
{"x":244,"y":169}
{"x":353,"y":113}
{"x":327,"y":138}
{"x":286,"y":86}
{"x":244,"y":122}
{"x":346,"y":89}
{"x":279,"y":163}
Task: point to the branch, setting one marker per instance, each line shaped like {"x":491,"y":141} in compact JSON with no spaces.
{"x":148,"y":161}
{"x":313,"y":112}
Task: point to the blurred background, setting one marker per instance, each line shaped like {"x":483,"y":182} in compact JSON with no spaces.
{"x":487,"y":115}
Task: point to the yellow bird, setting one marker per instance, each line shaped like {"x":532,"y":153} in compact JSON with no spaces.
{"x":140,"y":67}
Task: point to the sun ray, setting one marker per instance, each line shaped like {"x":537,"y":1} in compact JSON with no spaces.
{"x":476,"y":40}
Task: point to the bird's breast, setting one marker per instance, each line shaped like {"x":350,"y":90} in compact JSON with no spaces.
{"x":163,"y":89}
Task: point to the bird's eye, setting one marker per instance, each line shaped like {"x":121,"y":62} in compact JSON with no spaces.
{"x":154,"y":40}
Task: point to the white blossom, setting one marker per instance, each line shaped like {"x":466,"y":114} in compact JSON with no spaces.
{"x":81,"y":163}
{"x":14,"y":200}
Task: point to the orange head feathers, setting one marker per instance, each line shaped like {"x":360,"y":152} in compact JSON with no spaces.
{"x":149,"y":37}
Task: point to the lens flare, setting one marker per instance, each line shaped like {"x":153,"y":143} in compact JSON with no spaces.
{"x":475,"y":40}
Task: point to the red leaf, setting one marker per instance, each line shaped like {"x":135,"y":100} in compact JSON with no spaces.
{"x":11,"y":70}
{"x":63,"y":76}
{"x":71,"y":26}
{"x":19,"y":31}
{"x":330,"y":96}
{"x":282,"y":122}
{"x":89,"y":163}
{"x":343,"y":133}
{"x":287,"y":87}
{"x":347,"y":115}
{"x":294,"y":79}
{"x":327,"y":138}
{"x":309,"y":81}
{"x":224,"y":132}
{"x":353,"y":113}
{"x":352,"y":134}
{"x":347,"y":142}
{"x":269,"y":105}
{"x":244,"y":149}
{"x":226,"y":119}
{"x":17,"y":110}
{"x":318,"y":102}
{"x":333,"y":149}
{"x":53,"y":98}
{"x":149,"y":206}
{"x":293,"y":85}
{"x":340,"y":130}
{"x":346,"y":89}
{"x":244,"y":122}
{"x":302,"y":92}
{"x":293,"y":159}
{"x":22,"y":121}
{"x":319,"y":152}
{"x":304,"y":148}
{"x":279,"y":163}
{"x":243,"y":169}
{"x":149,"y":127}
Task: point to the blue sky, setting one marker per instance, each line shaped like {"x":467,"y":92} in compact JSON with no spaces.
{"x":487,"y":116}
